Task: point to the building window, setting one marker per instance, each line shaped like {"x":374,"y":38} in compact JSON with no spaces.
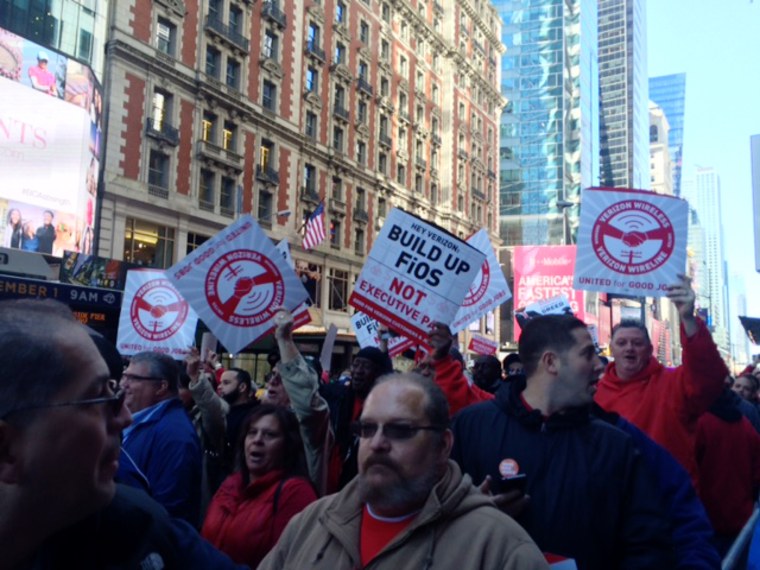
{"x":382,"y":207}
{"x":208,"y":127}
{"x":271,"y":45}
{"x":434,"y":93}
{"x":269,"y":95}
{"x":340,"y":53}
{"x":227,"y":196}
{"x":359,"y":241}
{"x":312,"y":79}
{"x":361,"y":112}
{"x":311,"y":125}
{"x":213,"y":57}
{"x":337,"y":189}
{"x":338,"y":139}
{"x":265,"y":211}
{"x":403,"y":66}
{"x":418,"y":183}
{"x":158,"y":170}
{"x":340,"y":11}
{"x":385,"y":13}
{"x":162,"y":109}
{"x":194,"y":241}
{"x":335,"y":228}
{"x":233,"y":73}
{"x":311,"y":277}
{"x":382,"y":162}
{"x":385,"y":50}
{"x":310,"y":178}
{"x":401,"y":174}
{"x":206,"y":189}
{"x":361,"y":199}
{"x":229,"y":136}
{"x":214,"y":8}
{"x":364,"y":32}
{"x":266,"y":158}
{"x":338,"y":284}
{"x":385,"y":87}
{"x":434,"y":193}
{"x":313,"y":36}
{"x":236,"y":19}
{"x":166,"y":36}
{"x":148,"y":245}
{"x":363,"y":70}
{"x":361,"y":153}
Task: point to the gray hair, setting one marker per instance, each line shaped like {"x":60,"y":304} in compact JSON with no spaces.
{"x":161,"y":366}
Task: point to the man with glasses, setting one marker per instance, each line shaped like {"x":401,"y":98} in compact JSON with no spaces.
{"x":161,"y":452}
{"x":410,"y":506}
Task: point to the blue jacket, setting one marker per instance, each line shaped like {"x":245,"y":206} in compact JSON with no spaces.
{"x":591,"y":496}
{"x":161,"y":454}
{"x":691,"y":529}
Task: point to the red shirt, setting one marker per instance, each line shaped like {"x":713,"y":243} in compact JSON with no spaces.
{"x":377,"y":533}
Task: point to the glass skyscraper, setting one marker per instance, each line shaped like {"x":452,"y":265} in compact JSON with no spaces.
{"x":550,"y":125}
{"x":624,"y":99}
{"x":669,"y":92}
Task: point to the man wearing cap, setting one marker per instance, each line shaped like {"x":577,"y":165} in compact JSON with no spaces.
{"x":410,"y":507}
{"x":591,"y":497}
{"x":40,"y":77}
{"x":345,"y":402}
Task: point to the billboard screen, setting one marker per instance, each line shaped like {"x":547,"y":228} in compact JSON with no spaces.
{"x":544,"y":272}
{"x":50,"y":142}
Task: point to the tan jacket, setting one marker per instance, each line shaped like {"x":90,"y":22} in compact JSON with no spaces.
{"x":458,"y":528}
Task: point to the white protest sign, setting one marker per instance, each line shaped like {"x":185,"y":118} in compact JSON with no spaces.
{"x":236,"y":281}
{"x":154,"y":316}
{"x":415,"y":274}
{"x":630,"y":242}
{"x":488,"y":290}
{"x":366,"y":327}
{"x":482,"y":345}
{"x":559,"y":305}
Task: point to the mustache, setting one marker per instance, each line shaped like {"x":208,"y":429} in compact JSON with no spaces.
{"x":380,"y":460}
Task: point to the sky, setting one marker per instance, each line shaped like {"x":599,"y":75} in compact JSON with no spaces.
{"x":717,"y":44}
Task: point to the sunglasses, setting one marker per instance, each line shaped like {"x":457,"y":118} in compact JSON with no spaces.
{"x":392,"y":431}
{"x":113,"y":403}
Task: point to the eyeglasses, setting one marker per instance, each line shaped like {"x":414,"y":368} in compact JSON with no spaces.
{"x":114,"y":403}
{"x":393,"y":431}
{"x":137,"y":378}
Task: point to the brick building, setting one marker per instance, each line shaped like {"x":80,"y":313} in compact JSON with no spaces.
{"x":223,"y":107}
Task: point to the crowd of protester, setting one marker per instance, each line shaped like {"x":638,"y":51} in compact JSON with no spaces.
{"x":550,"y":456}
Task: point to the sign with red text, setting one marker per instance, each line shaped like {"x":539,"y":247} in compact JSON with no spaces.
{"x":631,"y":242}
{"x":488,"y":290}
{"x":416,"y":274}
{"x":154,"y":316}
{"x":542,"y":273}
{"x":483,"y":345}
{"x":236,"y":281}
{"x":365,"y":328}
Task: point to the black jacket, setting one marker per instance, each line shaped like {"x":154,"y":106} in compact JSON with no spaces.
{"x":591,"y":499}
{"x":340,"y":399}
{"x":132,"y":532}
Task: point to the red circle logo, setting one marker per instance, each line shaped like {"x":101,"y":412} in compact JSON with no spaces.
{"x":479,"y":285}
{"x":244,"y":288}
{"x":633,"y":237}
{"x":158,"y":311}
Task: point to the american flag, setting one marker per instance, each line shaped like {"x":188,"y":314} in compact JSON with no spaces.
{"x":315,"y":228}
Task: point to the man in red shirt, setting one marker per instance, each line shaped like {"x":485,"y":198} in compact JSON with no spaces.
{"x":665,"y":403}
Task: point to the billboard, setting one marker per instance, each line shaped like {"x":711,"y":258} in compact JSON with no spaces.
{"x":542,"y":273}
{"x":51,"y":115}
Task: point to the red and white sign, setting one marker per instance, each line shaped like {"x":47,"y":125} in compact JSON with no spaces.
{"x":236,"y":281}
{"x":365,"y":328}
{"x":542,"y":273}
{"x":632,"y":242}
{"x":488,"y":290}
{"x":154,"y":316}
{"x":416,"y":274}
{"x":482,"y":345}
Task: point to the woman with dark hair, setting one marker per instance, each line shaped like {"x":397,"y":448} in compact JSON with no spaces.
{"x":252,"y":507}
{"x":14,"y":229}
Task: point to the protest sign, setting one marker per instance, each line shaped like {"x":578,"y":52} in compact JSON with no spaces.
{"x":366,"y":327}
{"x":482,"y":345}
{"x":630,"y":242}
{"x":559,"y":305}
{"x":236,"y":281}
{"x":301,"y":314}
{"x":154,"y":316}
{"x":542,"y":273}
{"x":416,"y":273}
{"x":488,"y":290}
